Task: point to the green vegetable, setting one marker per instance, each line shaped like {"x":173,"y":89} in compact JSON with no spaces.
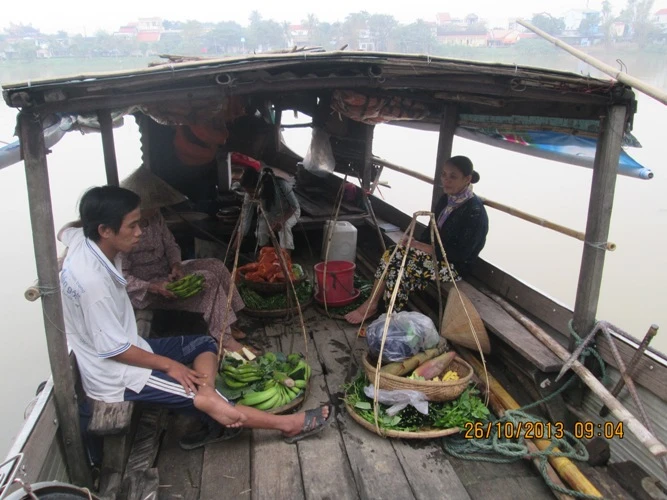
{"x":467,"y":408}
{"x":254,"y":300}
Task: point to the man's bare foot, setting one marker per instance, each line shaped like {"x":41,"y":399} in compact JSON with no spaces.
{"x":357,"y":316}
{"x":210,"y":402}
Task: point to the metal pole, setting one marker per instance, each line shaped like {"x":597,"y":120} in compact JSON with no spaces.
{"x":445,"y":141}
{"x":110,"y":163}
{"x":44,"y":240}
{"x":599,"y":216}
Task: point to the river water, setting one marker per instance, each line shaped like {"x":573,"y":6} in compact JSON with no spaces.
{"x":632,"y":293}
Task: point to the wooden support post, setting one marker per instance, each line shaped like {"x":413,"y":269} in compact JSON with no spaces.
{"x":599,"y":215}
{"x":367,"y":174}
{"x":445,"y":140}
{"x":277,"y":127}
{"x":44,"y":240}
{"x":110,"y":163}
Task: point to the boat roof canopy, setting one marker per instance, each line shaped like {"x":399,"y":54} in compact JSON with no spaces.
{"x":508,"y":106}
{"x":291,"y":80}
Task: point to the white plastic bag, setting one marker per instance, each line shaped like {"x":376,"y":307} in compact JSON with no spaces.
{"x":319,"y":159}
{"x":399,"y":398}
{"x":409,"y":333}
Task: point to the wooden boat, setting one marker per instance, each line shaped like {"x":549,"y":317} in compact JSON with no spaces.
{"x":362,"y":88}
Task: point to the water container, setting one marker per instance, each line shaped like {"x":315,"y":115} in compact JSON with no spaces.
{"x":343,"y":242}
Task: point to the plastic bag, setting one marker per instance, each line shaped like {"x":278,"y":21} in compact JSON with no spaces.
{"x":399,"y":399}
{"x":319,"y":159}
{"x":409,"y":333}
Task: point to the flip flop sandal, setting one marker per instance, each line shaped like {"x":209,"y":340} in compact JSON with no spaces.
{"x":208,"y":436}
{"x":313,"y":423}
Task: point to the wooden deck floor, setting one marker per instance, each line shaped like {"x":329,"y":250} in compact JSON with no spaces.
{"x":344,"y":461}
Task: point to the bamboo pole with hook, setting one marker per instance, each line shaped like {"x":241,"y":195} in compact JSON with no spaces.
{"x":657,"y":94}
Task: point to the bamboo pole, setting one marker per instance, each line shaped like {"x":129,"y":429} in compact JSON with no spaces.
{"x":564,"y":466}
{"x":498,"y":206}
{"x":635,"y":426}
{"x":579,"y":235}
{"x":44,"y":241}
{"x":657,"y":94}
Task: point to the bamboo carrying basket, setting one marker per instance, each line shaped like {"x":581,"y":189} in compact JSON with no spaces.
{"x":276,"y":313}
{"x":434,"y":391}
{"x":428,"y":434}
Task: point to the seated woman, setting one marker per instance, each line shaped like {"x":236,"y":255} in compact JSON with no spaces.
{"x":156,"y":260}
{"x":279,"y":203}
{"x":462,"y":224}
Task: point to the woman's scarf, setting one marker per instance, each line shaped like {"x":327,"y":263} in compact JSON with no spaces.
{"x":454,"y":201}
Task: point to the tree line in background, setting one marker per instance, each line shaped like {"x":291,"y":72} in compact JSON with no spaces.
{"x":382,"y":31}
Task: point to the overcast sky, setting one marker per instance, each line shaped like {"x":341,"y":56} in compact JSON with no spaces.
{"x":75,"y":16}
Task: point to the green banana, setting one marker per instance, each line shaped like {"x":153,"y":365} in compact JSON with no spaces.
{"x":269,"y":403}
{"x":235,"y":384}
{"x":254,"y":398}
{"x":300,"y":384}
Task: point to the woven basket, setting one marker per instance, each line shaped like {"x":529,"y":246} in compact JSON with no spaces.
{"x":434,"y":391}
{"x":426,"y":434}
{"x":276,"y":313}
{"x":270,"y":288}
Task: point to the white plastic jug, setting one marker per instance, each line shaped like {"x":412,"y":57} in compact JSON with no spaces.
{"x":343,"y":241}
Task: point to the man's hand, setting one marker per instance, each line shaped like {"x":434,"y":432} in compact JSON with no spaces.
{"x":176,"y":272}
{"x":161,"y":289}
{"x":188,"y":378}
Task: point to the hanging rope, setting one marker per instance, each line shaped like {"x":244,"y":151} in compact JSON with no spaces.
{"x":589,"y":351}
{"x":330,"y":229}
{"x":230,"y":291}
{"x":288,"y":278}
{"x":410,"y":231}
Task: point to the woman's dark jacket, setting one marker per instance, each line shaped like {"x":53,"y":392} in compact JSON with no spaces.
{"x":463,"y":234}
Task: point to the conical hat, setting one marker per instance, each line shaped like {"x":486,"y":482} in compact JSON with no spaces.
{"x":456,"y":326}
{"x":154,"y":192}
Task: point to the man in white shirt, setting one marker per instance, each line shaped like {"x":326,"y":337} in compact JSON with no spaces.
{"x":118,"y":365}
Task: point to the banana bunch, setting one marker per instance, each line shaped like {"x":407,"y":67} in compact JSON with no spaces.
{"x":187,"y":286}
{"x":274,"y":395}
{"x":280,"y":389}
{"x":241,"y":376}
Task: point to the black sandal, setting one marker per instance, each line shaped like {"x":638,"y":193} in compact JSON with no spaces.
{"x":313,"y":423}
